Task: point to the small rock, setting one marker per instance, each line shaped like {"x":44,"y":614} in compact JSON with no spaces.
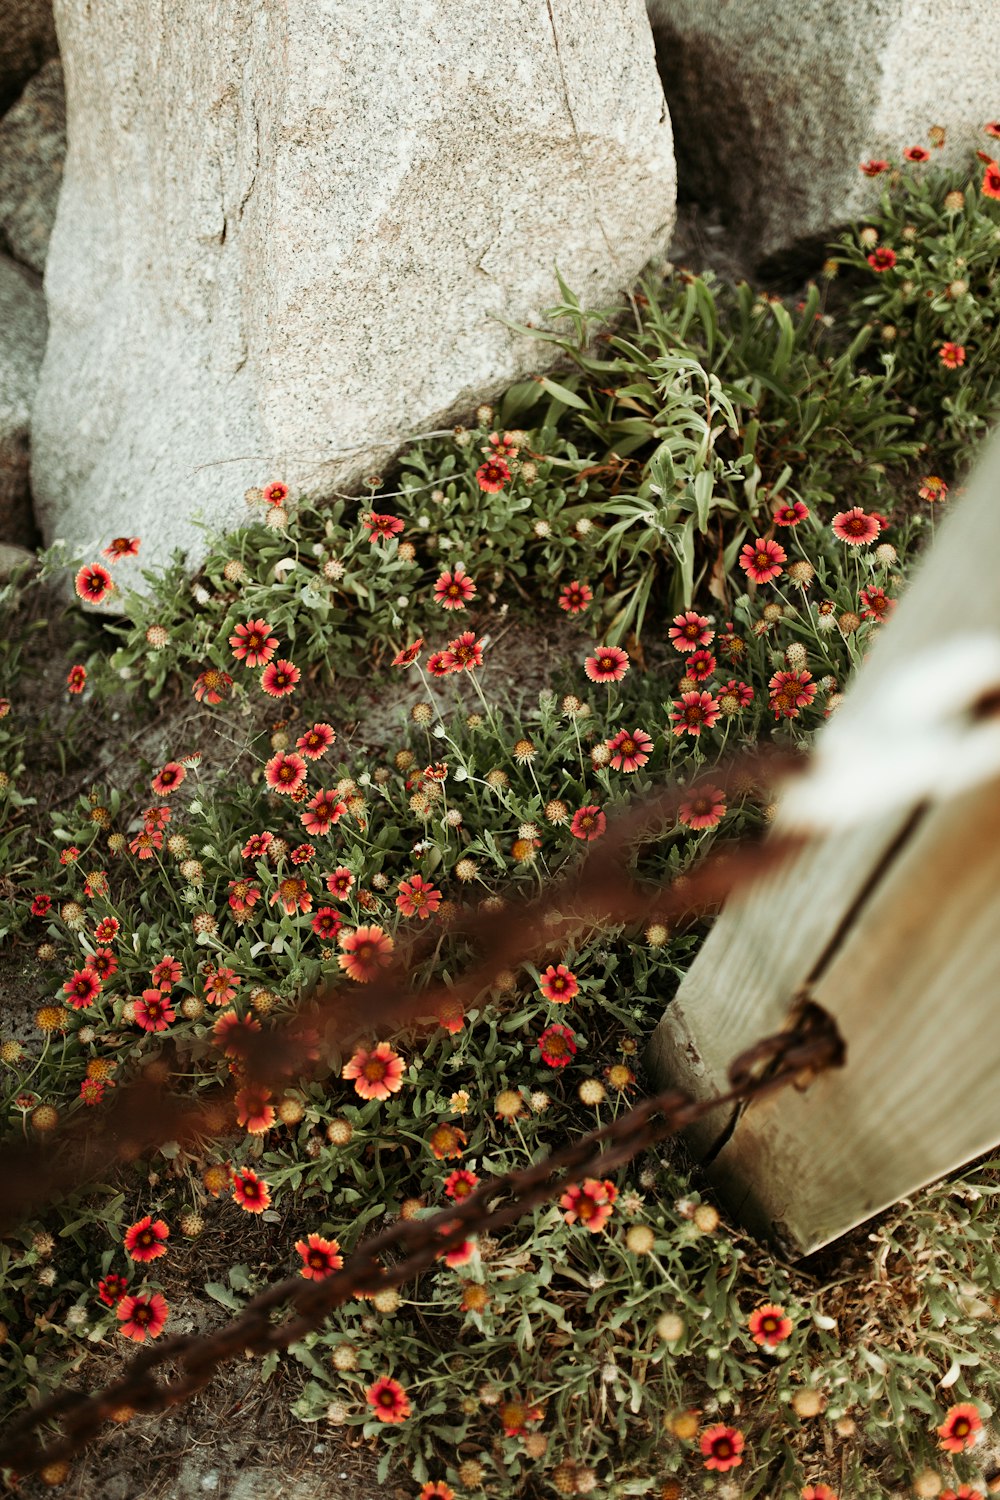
{"x":32,"y":151}
{"x":22,"y":344}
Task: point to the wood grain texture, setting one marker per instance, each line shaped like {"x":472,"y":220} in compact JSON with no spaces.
{"x":756,"y":959}
{"x":914,"y":990}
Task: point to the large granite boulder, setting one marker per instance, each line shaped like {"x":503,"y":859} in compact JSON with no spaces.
{"x":27,"y":40}
{"x":22,"y":342}
{"x":32,"y":150}
{"x":286,"y":235}
{"x":775,"y":103}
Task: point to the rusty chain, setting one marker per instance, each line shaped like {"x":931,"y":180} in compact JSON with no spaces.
{"x":144,"y":1115}
{"x":788,"y":1057}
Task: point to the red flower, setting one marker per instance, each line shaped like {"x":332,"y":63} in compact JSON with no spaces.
{"x":575,"y":597}
{"x":69,"y":856}
{"x":102,"y":963}
{"x":142,"y":1316}
{"x":211,"y":685}
{"x":144,"y":1239}
{"x":450,"y":1015}
{"x":916,"y":154}
{"x":293,"y":895}
{"x":278,"y":678}
{"x":82,"y":988}
{"x":460,"y":1183}
{"x":557,"y":1046}
{"x":375,"y":1073}
{"x":964,"y":1492}
{"x":440,"y":663}
{"x":960,"y":1428}
{"x":992,"y":127}
{"x":220,"y":985}
{"x":882,"y":259}
{"x":558,"y":984}
{"x":590,"y":1204}
{"x":824,"y":1492}
{"x":704,"y":807}
{"x":454,"y":590}
{"x":285,"y":772}
{"x":436,"y":1489}
{"x":588,"y":823}
{"x":608,"y":664}
{"x":146,"y":842}
{"x":340,"y":882}
{"x":320,"y":1257}
{"x":932,"y":488}
{"x":107,"y":929}
{"x":92,"y":1091}
{"x":952,"y":356}
{"x":877,"y":604}
{"x":76,"y":679}
{"x":250,"y":1191}
{"x":40,"y":904}
{"x":155,"y":817}
{"x":388,"y":1400}
{"x":741,"y":691}
{"x":169,"y":778}
{"x":112,"y":1288}
{"x":366,"y":950}
{"x":326,"y":923}
{"x":689,"y":631}
{"x":790,"y":691}
{"x":253,"y":1111}
{"x":761,"y":560}
{"x":515,"y":1415}
{"x":256,"y":845}
{"x":791,"y":515}
{"x":122,"y":546}
{"x":154,"y":1011}
{"x":253,"y":643}
{"x":447,"y":1141}
{"x":722,"y":1447}
{"x":93,"y":583}
{"x":232,"y":1031}
{"x":276,"y":493}
{"x":409,"y":654}
{"x":693,"y":712}
{"x":700,"y":665}
{"x":382,"y":526}
{"x":166,"y":973}
{"x":316,"y":741}
{"x":302,"y":854}
{"x":418,"y":897}
{"x":855,"y":527}
{"x":492,"y":475}
{"x":769,"y":1325}
{"x":322,"y":812}
{"x":464,"y":652}
{"x":991,"y":180}
{"x":243,"y":895}
{"x":874,"y":167}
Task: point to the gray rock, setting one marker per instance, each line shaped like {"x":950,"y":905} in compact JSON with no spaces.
{"x":22,"y":343}
{"x":12,"y":558}
{"x":286,"y":235}
{"x":775,"y":102}
{"x":27,"y":40}
{"x":32,"y":151}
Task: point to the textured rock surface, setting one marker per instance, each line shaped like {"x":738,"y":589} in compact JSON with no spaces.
{"x":775,"y":102}
{"x":32,"y":150}
{"x":285,"y":234}
{"x":27,"y":39}
{"x":22,"y":342}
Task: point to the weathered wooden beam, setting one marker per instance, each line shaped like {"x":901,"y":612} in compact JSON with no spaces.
{"x":891,"y":923}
